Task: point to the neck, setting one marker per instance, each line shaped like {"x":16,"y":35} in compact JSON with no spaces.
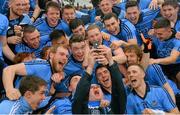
{"x":141,"y":90}
{"x":175,"y":19}
{"x":108,"y":89}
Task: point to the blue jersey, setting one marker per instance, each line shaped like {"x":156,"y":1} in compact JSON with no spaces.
{"x":23,"y":47}
{"x":155,"y":76}
{"x":3,"y":30}
{"x":164,"y":48}
{"x":73,"y":66}
{"x":108,"y":43}
{"x":155,"y":98}
{"x":127,"y":31}
{"x":4,"y":6}
{"x":63,"y":106}
{"x":40,"y":68}
{"x":43,"y":27}
{"x":19,"y":106}
{"x":177,"y":24}
{"x":145,"y":23}
{"x":143,"y":4}
{"x":22,"y":20}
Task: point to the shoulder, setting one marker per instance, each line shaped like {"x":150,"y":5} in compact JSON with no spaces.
{"x":37,"y":61}
{"x":39,"y":21}
{"x":9,"y":107}
{"x":3,"y":20}
{"x":126,"y":23}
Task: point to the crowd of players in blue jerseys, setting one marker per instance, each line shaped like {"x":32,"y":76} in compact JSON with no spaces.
{"x":119,"y":57}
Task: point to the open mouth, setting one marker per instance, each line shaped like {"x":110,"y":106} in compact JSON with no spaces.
{"x":113,"y":32}
{"x":60,"y":63}
{"x":133,"y":81}
{"x":97,"y":93}
{"x":106,"y":81}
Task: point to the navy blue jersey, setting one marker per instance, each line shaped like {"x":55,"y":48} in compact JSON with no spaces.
{"x":155,"y":98}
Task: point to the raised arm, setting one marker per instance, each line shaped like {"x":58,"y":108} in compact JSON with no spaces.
{"x":8,"y":78}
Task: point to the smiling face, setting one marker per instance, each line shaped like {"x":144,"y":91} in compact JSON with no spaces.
{"x":78,"y":50}
{"x":136,"y":76}
{"x":112,"y":25}
{"x":16,"y":7}
{"x":68,"y":14}
{"x":59,"y":59}
{"x":95,"y":93}
{"x":26,"y":6}
{"x":80,"y":30}
{"x":132,"y":14}
{"x":53,"y":16}
{"x":104,"y":77}
{"x":169,"y":12}
{"x":105,"y":6}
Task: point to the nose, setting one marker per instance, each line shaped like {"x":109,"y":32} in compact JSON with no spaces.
{"x":111,"y":27}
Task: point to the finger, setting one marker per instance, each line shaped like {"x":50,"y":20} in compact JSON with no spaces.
{"x":51,"y":110}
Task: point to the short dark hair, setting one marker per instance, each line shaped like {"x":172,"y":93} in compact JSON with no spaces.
{"x":100,"y":66}
{"x":136,"y":49}
{"x":67,"y":7}
{"x":173,"y":3}
{"x":131,"y":3}
{"x":76,"y":38}
{"x":75,"y":23}
{"x":29,"y":29}
{"x":109,"y":16}
{"x":52,"y":4}
{"x":31,"y":83}
{"x":55,"y":34}
{"x":162,"y":23}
